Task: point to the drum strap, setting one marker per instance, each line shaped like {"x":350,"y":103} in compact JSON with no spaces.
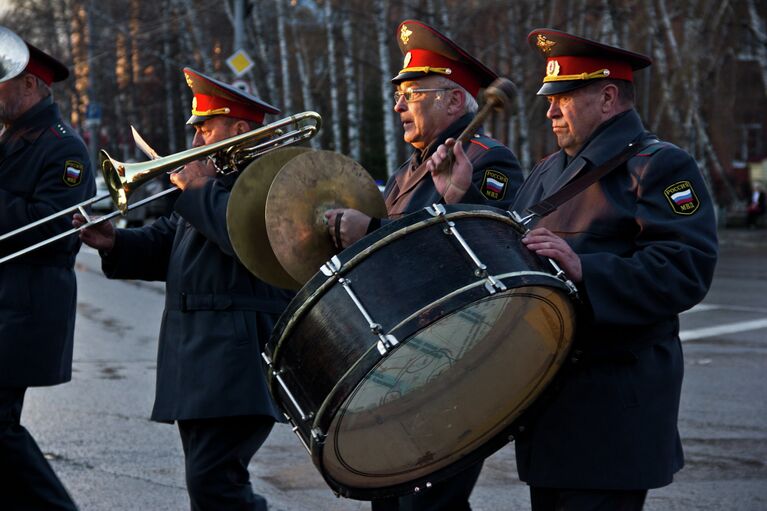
{"x":583,"y":180}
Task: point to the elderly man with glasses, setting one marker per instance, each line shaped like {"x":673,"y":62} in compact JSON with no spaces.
{"x":436,"y":99}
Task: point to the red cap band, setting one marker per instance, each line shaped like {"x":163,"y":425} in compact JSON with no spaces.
{"x":205,"y":105}
{"x":571,"y":67}
{"x":459,"y":72}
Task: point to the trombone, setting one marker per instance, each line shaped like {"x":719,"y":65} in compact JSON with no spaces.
{"x":122,"y":179}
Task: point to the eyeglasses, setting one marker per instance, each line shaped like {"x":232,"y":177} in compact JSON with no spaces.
{"x":408,"y":93}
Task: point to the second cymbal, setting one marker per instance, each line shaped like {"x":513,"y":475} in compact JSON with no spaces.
{"x":304,"y":189}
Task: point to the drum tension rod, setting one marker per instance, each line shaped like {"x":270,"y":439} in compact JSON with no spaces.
{"x":385,"y":341}
{"x":492,"y":284}
{"x":276,"y":373}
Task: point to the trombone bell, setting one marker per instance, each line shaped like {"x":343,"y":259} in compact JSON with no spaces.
{"x":122,"y":179}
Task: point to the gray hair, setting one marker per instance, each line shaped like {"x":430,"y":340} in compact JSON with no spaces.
{"x":470,"y":104}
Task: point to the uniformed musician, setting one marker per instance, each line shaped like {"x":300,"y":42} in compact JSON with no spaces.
{"x":210,"y":377}
{"x":436,"y":98}
{"x":44,"y":168}
{"x":641,"y":245}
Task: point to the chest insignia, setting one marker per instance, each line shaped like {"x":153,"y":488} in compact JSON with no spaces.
{"x":682,"y":198}
{"x":73,"y":172}
{"x":494,"y":184}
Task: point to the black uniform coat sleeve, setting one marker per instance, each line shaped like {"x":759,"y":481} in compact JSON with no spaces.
{"x":493,"y":163}
{"x":38,"y":291}
{"x":611,"y":421}
{"x":217,"y":315}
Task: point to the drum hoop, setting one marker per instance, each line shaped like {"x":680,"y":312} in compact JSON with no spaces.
{"x":360,"y":256}
{"x":481,"y":282}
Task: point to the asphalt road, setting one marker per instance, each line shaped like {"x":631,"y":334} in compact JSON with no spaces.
{"x":96,"y":432}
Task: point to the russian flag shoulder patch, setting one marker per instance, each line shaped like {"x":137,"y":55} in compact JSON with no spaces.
{"x":73,"y":172}
{"x":494,"y":184}
{"x":682,"y":198}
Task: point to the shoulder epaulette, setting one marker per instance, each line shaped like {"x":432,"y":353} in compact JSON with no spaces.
{"x":651,"y":149}
{"x":484,"y":141}
{"x":59,"y":130}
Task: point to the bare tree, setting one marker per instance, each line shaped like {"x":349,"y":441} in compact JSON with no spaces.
{"x":381,"y":9}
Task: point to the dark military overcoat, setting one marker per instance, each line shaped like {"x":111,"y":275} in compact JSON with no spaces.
{"x":44,"y":169}
{"x":497,"y":174}
{"x":646,"y":237}
{"x":217,"y":314}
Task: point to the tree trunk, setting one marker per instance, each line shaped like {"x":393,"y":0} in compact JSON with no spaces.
{"x":304,"y":79}
{"x":287,"y":101}
{"x":756,"y":24}
{"x":382,"y":32}
{"x":353,"y":115}
{"x":335,"y":107}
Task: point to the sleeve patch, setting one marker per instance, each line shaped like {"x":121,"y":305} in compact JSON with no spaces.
{"x":682,"y":198}
{"x":494,"y":184}
{"x":73,"y":172}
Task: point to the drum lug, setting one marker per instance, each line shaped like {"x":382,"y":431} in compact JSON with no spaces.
{"x":331,"y":267}
{"x":522,"y":220}
{"x":318,"y":436}
{"x":436,"y":210}
{"x":560,"y":274}
{"x":386,"y":343}
{"x":492,"y":285}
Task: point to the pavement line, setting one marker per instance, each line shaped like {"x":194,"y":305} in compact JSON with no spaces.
{"x":730,"y":328}
{"x":701,"y":307}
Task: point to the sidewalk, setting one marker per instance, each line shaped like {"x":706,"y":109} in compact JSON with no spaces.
{"x":742,"y":237}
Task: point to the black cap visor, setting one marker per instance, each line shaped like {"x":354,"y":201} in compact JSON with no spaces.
{"x":551,"y":88}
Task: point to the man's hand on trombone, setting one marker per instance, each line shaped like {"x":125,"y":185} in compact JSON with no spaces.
{"x":100,"y":236}
{"x":194,"y":174}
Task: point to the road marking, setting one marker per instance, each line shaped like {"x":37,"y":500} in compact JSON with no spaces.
{"x":702,"y":307}
{"x":731,"y":328}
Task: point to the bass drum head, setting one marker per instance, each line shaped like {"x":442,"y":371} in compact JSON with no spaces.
{"x":448,"y":389}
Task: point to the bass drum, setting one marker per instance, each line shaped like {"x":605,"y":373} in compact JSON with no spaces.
{"x":410,"y":355}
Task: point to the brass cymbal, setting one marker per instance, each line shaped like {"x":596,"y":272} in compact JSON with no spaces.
{"x":306,"y":187}
{"x":246,"y":222}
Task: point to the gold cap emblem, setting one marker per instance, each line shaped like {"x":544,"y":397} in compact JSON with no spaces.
{"x":194,"y":103}
{"x":544,"y":44}
{"x":405,"y":34}
{"x":408,"y":56}
{"x":552,"y":68}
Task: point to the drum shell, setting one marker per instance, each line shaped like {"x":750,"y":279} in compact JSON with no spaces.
{"x":406,"y":275}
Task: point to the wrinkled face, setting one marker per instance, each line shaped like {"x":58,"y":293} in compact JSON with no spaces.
{"x":10,"y":100}
{"x":425,"y":116}
{"x":574,"y":116}
{"x":213,"y":129}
